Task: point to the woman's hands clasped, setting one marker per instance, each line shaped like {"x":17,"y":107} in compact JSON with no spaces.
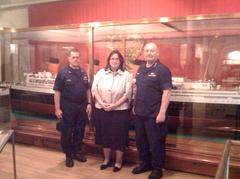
{"x":108,"y":106}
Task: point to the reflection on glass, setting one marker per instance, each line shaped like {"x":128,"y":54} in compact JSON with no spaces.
{"x":205,"y":98}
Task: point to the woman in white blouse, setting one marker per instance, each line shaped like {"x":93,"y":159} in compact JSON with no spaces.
{"x":112,"y":90}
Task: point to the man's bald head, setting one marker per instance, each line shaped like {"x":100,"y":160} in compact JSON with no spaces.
{"x":150,"y":53}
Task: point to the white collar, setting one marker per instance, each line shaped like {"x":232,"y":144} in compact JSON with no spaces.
{"x":119,"y":71}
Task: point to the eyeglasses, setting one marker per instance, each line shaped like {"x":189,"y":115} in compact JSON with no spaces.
{"x":75,"y":57}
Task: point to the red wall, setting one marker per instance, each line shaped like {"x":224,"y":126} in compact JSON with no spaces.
{"x":82,"y":11}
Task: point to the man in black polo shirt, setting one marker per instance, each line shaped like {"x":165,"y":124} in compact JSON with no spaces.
{"x":153,"y":81}
{"x":72,"y":103}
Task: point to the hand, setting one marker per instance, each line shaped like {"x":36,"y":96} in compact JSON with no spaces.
{"x":58,"y":113}
{"x":160,"y":118}
{"x":89,"y":109}
{"x":110,"y":107}
{"x":104,"y":105}
{"x":133,"y":110}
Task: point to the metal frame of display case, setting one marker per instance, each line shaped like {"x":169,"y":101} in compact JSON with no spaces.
{"x":5,"y":135}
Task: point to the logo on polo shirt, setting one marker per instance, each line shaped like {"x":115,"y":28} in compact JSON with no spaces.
{"x":152,"y":74}
{"x":85,"y":78}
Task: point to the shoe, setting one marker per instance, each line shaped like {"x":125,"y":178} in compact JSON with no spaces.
{"x":142,"y":168}
{"x":155,"y":174}
{"x":80,"y":157}
{"x":116,"y":169}
{"x":69,"y":162}
{"x":104,"y":166}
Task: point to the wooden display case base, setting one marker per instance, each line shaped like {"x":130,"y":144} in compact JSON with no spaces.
{"x":187,"y":155}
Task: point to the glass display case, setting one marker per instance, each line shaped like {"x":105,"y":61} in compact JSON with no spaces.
{"x":35,"y":57}
{"x":202,"y":52}
{"x":4,"y":90}
{"x":203,"y":55}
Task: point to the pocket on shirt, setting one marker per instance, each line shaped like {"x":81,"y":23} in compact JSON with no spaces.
{"x":68,"y":83}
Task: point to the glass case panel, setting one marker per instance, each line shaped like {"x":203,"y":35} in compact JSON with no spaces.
{"x":203,"y":56}
{"x":4,"y":91}
{"x":35,"y":57}
{"x":44,"y":52}
{"x":201,"y":52}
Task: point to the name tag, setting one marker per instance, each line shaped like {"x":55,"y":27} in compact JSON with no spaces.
{"x":152,"y":75}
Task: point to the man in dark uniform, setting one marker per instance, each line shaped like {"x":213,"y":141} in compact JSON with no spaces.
{"x":153,"y":82}
{"x":72,"y":103}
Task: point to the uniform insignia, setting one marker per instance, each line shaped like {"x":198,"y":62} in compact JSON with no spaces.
{"x":85,"y":78}
{"x":152,"y":74}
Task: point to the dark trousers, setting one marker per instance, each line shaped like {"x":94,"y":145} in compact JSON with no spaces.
{"x":151,"y":139}
{"x":74,"y":121}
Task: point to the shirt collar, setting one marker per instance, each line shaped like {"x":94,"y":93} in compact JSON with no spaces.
{"x":72,"y":69}
{"x":153,"y":66}
{"x":77,"y":71}
{"x":108,"y":71}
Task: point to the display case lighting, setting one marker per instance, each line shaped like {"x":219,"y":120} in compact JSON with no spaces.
{"x":144,"y":20}
{"x":68,"y":48}
{"x":82,"y":25}
{"x":13,"y":48}
{"x":110,"y":23}
{"x":94,"y":24}
{"x":234,"y":55}
{"x":164,"y":19}
{"x":13,"y":30}
{"x":199,"y":18}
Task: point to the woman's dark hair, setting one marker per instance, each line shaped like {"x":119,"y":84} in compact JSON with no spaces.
{"x":121,"y":59}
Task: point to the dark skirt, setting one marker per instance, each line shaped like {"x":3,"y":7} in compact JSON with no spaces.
{"x":112,"y":128}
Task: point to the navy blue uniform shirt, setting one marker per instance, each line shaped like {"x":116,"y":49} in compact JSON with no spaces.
{"x":150,"y":85}
{"x":73,"y":85}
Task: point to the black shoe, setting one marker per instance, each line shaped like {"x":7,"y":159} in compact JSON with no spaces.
{"x":155,"y":174}
{"x":142,"y":168}
{"x":116,"y":169}
{"x":69,"y":162}
{"x":80,"y":157}
{"x":104,"y":166}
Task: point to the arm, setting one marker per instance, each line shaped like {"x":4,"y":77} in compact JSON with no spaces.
{"x":95,"y":94}
{"x":164,"y":105}
{"x":111,"y":107}
{"x":99,"y":100}
{"x":89,"y":98}
{"x":134,"y":95}
{"x":58,"y":111}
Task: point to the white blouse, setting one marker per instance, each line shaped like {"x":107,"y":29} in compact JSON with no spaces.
{"x":111,"y":87}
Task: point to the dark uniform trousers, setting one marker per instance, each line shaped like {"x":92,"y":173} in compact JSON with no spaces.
{"x":74,"y":121}
{"x":150,"y":140}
